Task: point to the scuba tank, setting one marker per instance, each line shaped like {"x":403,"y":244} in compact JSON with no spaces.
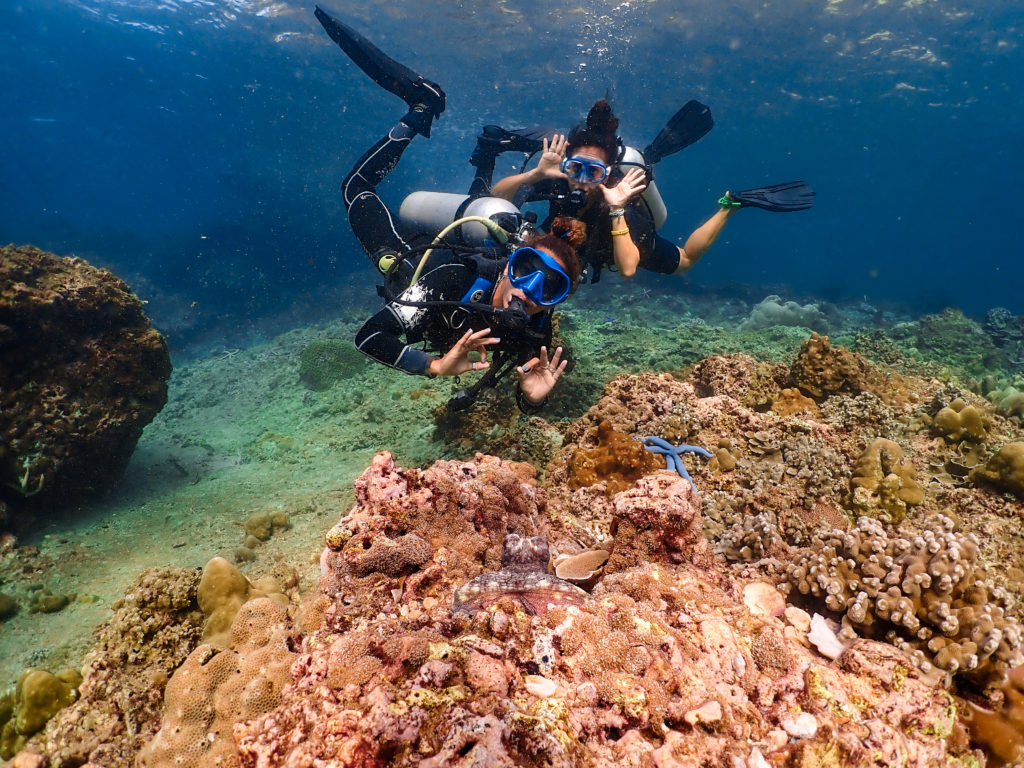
{"x":631,"y":158}
{"x":427,"y":213}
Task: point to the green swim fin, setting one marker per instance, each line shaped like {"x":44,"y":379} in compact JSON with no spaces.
{"x":780,"y":198}
{"x":690,"y":124}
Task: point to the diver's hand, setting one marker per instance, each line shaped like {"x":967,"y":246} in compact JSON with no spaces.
{"x":538,"y":377}
{"x":457,"y":360}
{"x":550,"y":164}
{"x":632,"y":184}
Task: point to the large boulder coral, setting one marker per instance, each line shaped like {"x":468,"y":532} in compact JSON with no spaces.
{"x":81,"y":373}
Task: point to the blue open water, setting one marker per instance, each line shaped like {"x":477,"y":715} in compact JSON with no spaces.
{"x":195,"y":148}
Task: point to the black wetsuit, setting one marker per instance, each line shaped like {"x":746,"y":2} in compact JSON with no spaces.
{"x":388,"y":337}
{"x":656,"y":253}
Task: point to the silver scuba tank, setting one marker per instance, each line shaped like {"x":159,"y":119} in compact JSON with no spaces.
{"x":427,"y":213}
{"x":651,"y":195}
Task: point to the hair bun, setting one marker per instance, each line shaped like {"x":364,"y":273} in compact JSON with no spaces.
{"x":601,"y":120}
{"x":572,"y":231}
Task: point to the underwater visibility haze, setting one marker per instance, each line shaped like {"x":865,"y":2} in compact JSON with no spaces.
{"x":774,"y":499}
{"x":196,"y":147}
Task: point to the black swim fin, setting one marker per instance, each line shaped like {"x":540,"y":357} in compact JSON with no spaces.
{"x":493,"y":140}
{"x":688,"y":125}
{"x":781,"y":198}
{"x":414,"y":89}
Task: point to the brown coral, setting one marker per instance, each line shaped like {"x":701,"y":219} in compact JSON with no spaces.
{"x":928,"y":595}
{"x":616,"y":460}
{"x":1004,"y":470}
{"x":884,"y":483}
{"x":81,"y":373}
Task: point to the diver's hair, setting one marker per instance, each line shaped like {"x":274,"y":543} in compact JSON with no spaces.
{"x":599,"y":130}
{"x":566,"y":235}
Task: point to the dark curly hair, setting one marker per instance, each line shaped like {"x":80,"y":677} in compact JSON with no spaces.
{"x":566,"y":235}
{"x":599,"y":130}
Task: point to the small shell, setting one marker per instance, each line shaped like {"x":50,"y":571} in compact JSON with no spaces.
{"x":540,"y":686}
{"x":581,"y":569}
{"x":337,"y":537}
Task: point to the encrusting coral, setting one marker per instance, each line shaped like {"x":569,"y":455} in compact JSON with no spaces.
{"x":616,"y":460}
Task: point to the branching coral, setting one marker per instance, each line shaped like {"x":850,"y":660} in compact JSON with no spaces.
{"x":928,"y":595}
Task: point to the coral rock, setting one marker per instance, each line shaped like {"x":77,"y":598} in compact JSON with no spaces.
{"x":1004,"y":470}
{"x":81,"y":373}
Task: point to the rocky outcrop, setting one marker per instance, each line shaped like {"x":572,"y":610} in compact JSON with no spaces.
{"x":81,"y":373}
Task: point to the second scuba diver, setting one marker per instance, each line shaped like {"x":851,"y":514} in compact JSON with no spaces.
{"x":581,"y":175}
{"x":495,"y":300}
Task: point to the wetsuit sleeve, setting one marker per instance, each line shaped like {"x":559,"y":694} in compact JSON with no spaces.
{"x":383,"y":337}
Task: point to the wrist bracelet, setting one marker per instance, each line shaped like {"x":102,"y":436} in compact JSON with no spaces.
{"x":616,"y":212}
{"x":623,"y":231}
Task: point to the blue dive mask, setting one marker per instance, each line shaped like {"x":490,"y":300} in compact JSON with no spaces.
{"x":584,"y":169}
{"x":538,"y":276}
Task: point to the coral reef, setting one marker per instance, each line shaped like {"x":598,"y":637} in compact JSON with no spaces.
{"x":154,"y":628}
{"x":1005,"y":470}
{"x":884,"y":483}
{"x":468,"y":614}
{"x":953,"y":338}
{"x":325,"y":362}
{"x":928,"y":595}
{"x":81,"y":373}
{"x":773,"y":311}
{"x":653,"y":668}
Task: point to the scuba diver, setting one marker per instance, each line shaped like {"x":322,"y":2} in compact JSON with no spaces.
{"x":592,"y":175}
{"x":493,"y":297}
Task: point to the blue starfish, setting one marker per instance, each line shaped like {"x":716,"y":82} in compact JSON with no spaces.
{"x":673,"y":455}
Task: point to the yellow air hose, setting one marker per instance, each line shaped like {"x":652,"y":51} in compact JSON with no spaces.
{"x":493,"y":227}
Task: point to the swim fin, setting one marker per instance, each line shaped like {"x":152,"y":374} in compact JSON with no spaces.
{"x":781,"y":198}
{"x":414,"y":89}
{"x":493,"y":140}
{"x":688,"y":125}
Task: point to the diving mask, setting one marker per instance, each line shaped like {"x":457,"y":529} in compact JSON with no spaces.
{"x":584,"y":169}
{"x":538,"y":276}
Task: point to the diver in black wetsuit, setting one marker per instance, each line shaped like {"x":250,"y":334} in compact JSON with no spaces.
{"x":592,"y":175}
{"x":497,"y":302}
